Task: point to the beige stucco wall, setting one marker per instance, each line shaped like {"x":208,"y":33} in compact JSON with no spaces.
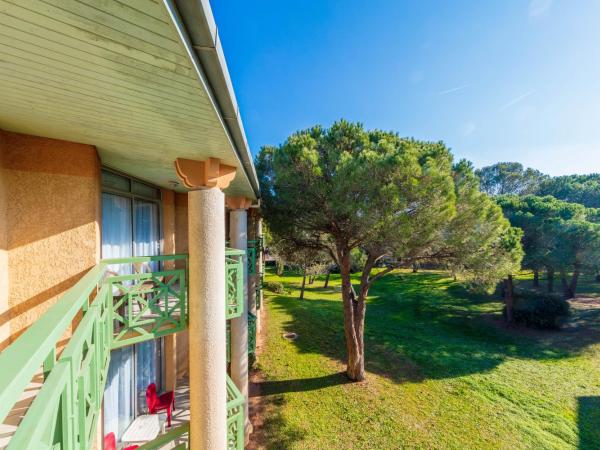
{"x":175,"y":240}
{"x":181,"y":223}
{"x":181,"y":246}
{"x":52,"y":223}
{"x":4,"y":327}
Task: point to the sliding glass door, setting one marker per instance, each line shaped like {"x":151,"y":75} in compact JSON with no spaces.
{"x":130,"y":227}
{"x":119,"y":408}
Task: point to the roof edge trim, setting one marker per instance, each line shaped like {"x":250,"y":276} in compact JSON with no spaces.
{"x":195,"y":24}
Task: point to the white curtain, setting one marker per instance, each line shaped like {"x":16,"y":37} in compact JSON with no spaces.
{"x":120,"y":240}
{"x":146,"y":370}
{"x":117,"y":230}
{"x":147,"y":238}
{"x":146,"y":243}
{"x":118,"y":404}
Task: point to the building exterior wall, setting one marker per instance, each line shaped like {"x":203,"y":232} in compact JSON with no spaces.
{"x":50,"y":226}
{"x":181,"y":246}
{"x":168,"y":224}
{"x":171,"y":341}
{"x":4,"y":287}
{"x":181,"y":223}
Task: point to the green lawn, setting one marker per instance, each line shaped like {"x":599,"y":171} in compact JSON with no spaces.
{"x":442,"y":373}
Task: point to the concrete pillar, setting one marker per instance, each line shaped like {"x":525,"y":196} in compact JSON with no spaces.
{"x":259,"y":270}
{"x":238,"y":238}
{"x":207,"y":360}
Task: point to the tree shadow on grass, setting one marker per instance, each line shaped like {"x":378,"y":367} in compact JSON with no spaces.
{"x":588,"y":422}
{"x":302,"y":384}
{"x":276,"y":432}
{"x":417,"y":326}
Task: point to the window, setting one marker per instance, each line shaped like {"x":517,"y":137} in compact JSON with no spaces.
{"x":130,"y":227}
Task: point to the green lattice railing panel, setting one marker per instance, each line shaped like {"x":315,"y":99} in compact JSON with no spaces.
{"x":259,"y":290}
{"x":148,"y":305}
{"x":251,"y":334}
{"x":65,"y":411}
{"x":235,"y":417}
{"x":234,"y":282}
{"x":251,"y":256}
{"x":228,"y":342}
{"x":109,"y":311}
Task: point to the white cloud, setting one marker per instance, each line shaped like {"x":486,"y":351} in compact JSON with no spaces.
{"x":468,"y":128}
{"x":515,"y":100}
{"x":454,"y":89}
{"x":539,"y":7}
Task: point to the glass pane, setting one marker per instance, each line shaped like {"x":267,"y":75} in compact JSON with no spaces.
{"x":114,"y":181}
{"x":147,"y":236}
{"x":147,"y":371}
{"x":118,"y":401}
{"x":145,"y":190}
{"x":116,"y":230}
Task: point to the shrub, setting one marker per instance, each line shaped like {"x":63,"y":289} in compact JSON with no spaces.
{"x":274,"y":286}
{"x":357,"y":262}
{"x":542,"y":311}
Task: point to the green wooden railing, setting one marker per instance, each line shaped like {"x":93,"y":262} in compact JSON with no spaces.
{"x":259,"y":289}
{"x":235,"y":417}
{"x":147,"y":304}
{"x":253,"y":249}
{"x":234,"y":276}
{"x":106,"y":310}
{"x":252,"y":335}
{"x":178,"y":436}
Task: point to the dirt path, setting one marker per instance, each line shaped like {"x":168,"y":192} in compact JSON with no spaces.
{"x":256,"y":403}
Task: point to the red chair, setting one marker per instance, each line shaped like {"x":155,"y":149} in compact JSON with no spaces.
{"x":110,"y":443}
{"x":163,"y":402}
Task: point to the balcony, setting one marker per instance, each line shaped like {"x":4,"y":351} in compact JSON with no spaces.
{"x":118,"y":302}
{"x":254,"y":248}
{"x":178,"y":436}
{"x":234,"y":275}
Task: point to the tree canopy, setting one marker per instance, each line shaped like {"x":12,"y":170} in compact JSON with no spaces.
{"x":506,"y":178}
{"x":583,"y":189}
{"x":558,"y":235}
{"x":399,"y":200}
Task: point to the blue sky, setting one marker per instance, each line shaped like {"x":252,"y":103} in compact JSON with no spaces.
{"x":504,"y":80}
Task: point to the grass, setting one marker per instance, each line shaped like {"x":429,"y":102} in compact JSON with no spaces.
{"x":442,"y":373}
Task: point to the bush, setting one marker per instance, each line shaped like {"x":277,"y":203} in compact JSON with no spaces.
{"x":274,"y":286}
{"x":540,"y":311}
{"x":357,"y":262}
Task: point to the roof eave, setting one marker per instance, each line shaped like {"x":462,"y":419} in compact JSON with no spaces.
{"x":197,"y":27}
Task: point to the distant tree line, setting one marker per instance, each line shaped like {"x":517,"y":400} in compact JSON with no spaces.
{"x":559,"y":216}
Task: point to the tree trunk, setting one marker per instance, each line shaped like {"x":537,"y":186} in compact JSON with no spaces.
{"x":536,"y":279}
{"x":574,"y":280}
{"x":327,"y":279}
{"x":415,"y":268}
{"x":509,"y":300}
{"x":550,"y":280}
{"x":565,"y":284}
{"x":303,"y":285}
{"x":279,"y":266}
{"x":354,"y":318}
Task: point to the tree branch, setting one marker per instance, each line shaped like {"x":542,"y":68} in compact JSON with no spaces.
{"x":380,"y":274}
